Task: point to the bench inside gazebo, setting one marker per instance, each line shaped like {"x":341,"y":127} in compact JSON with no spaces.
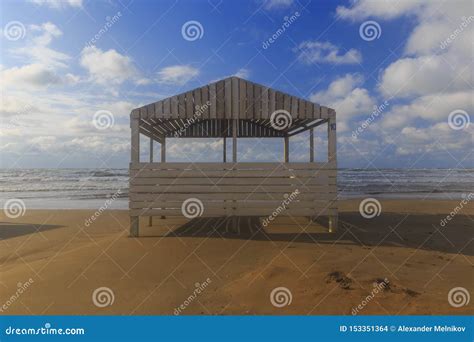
{"x":232,"y":108}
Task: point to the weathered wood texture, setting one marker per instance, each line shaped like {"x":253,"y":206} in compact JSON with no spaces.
{"x":230,"y":189}
{"x":231,"y":98}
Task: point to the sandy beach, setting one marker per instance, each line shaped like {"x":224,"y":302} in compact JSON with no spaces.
{"x":64,"y":261}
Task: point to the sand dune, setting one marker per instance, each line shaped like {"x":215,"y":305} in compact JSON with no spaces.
{"x":236,"y":272}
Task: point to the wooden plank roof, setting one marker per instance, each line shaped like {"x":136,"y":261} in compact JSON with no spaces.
{"x":232,"y":98}
{"x":202,"y":112}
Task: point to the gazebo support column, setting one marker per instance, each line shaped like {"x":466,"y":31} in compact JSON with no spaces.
{"x":150,"y":219}
{"x":234,"y":159}
{"x":234,"y":140}
{"x":134,"y":158}
{"x":163,"y":158}
{"x":332,"y":159}
{"x":311,"y":155}
{"x":224,"y":151}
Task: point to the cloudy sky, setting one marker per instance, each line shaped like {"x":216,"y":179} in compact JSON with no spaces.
{"x":405,"y":66}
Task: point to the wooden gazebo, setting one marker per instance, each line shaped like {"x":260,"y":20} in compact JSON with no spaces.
{"x":230,"y":109}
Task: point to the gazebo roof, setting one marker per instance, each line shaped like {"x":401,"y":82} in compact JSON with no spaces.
{"x":206,"y":111}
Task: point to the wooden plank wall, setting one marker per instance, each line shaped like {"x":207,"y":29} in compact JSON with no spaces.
{"x":232,"y":98}
{"x":233,"y":189}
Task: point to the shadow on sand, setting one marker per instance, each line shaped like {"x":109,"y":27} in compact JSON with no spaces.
{"x":394,"y":230}
{"x":10,"y":230}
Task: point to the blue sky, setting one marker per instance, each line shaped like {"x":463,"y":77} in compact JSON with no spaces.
{"x":62,"y":61}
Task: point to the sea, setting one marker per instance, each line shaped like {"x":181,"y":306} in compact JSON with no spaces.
{"x":90,"y":188}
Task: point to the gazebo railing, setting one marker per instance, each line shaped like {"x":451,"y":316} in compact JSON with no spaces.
{"x":233,"y":189}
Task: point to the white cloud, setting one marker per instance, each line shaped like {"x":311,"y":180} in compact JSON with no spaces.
{"x":176,"y":74}
{"x":34,"y":76}
{"x":346,"y":96}
{"x":382,"y":9}
{"x":37,"y":50}
{"x":242,"y":73}
{"x":423,"y":75}
{"x":436,"y":138}
{"x":429,"y":65}
{"x":109,"y":67}
{"x":277,"y":4}
{"x":312,"y":52}
{"x":432,"y":108}
{"x":58,"y":4}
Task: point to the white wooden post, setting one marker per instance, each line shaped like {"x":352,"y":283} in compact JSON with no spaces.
{"x":234,"y":160}
{"x":332,"y":160}
{"x":234,"y":140}
{"x":150,"y":219}
{"x":224,"y":151}
{"x":163,"y":157}
{"x":134,"y":158}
